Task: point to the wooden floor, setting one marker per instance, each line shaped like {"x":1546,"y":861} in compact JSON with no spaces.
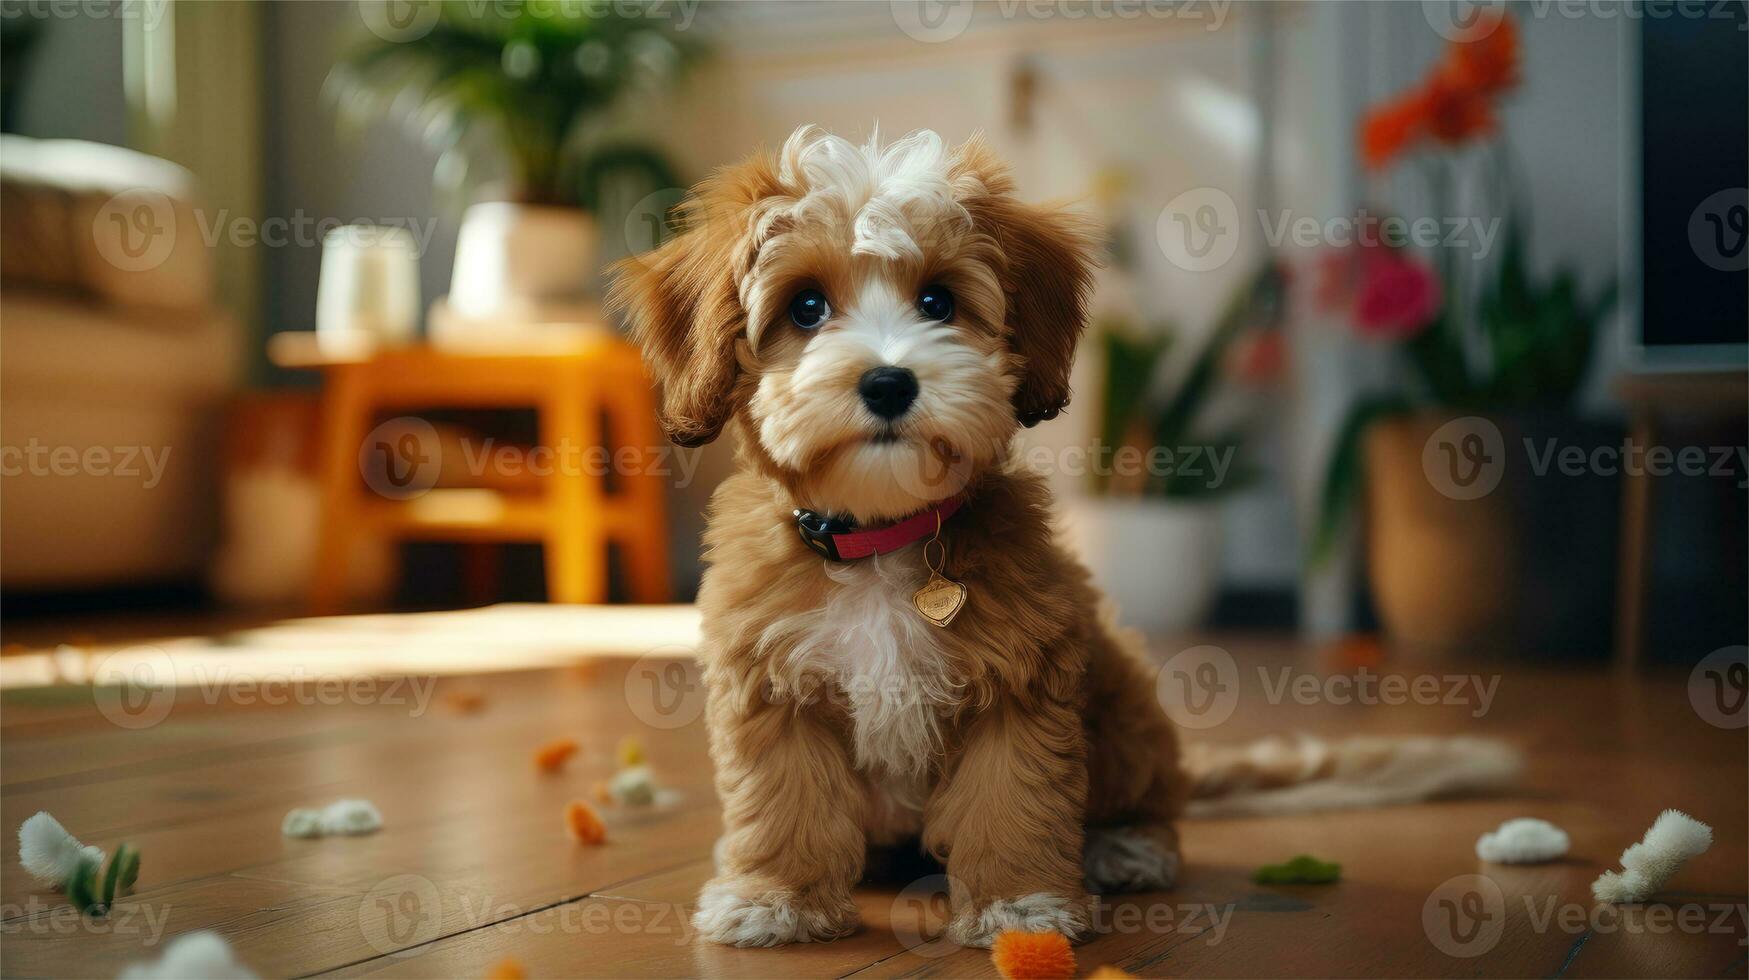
{"x":473,"y":865}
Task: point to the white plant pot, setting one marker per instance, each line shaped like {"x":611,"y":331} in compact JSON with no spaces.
{"x":521,"y":262}
{"x":1158,"y":560}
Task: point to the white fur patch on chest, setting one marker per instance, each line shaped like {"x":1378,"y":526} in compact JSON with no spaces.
{"x":886,"y":658}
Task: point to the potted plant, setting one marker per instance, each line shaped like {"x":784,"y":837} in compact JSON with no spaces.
{"x":1459,"y":523}
{"x":518,"y":99}
{"x":1151,"y":533}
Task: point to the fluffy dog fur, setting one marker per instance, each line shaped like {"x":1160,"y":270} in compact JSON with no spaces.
{"x":838,"y":717}
{"x":1023,"y":746}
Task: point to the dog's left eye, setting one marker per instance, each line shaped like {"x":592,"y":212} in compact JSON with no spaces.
{"x":935,"y":303}
{"x":808,"y":309}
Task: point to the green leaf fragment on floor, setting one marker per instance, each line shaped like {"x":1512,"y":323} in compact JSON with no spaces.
{"x":1301,"y":870}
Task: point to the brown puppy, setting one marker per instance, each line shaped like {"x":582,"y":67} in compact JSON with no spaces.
{"x":875,"y":323}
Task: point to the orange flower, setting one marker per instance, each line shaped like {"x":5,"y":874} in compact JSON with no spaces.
{"x":1454,"y":104}
{"x":1456,"y":112}
{"x":1488,"y":64}
{"x":1392,"y":128}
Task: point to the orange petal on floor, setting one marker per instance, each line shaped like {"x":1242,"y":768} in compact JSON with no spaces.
{"x":583,"y":823}
{"x":552,"y":756}
{"x":1033,"y":956}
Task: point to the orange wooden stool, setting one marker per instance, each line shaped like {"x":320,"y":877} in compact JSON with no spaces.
{"x":389,"y":478}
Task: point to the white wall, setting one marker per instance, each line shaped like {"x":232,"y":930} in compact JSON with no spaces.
{"x":73,"y":89}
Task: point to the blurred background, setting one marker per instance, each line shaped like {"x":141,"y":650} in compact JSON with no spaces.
{"x":1421,"y":330}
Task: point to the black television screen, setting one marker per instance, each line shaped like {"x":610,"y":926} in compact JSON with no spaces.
{"x":1694,"y":144}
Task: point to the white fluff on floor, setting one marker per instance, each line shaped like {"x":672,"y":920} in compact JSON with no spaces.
{"x":48,"y":852}
{"x":1673,"y":838}
{"x":192,"y":956}
{"x":1526,"y":840}
{"x":341,"y":817}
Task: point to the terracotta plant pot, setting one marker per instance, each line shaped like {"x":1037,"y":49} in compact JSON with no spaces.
{"x":1479,"y":544}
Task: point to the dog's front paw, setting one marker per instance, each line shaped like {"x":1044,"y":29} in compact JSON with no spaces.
{"x":1038,"y":912}
{"x":738,"y":912}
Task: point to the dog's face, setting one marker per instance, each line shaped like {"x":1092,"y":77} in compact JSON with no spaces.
{"x":880,"y":320}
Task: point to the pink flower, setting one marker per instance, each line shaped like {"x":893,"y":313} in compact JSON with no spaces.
{"x":1398,"y":297}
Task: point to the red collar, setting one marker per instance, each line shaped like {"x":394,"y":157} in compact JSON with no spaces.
{"x":837,"y":539}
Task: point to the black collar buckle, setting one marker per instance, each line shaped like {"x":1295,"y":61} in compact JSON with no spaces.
{"x":817,"y":531}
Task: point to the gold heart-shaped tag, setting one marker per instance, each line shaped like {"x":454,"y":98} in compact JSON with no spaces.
{"x":940,"y":599}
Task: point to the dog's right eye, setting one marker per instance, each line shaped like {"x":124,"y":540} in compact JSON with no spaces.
{"x":809,"y":309}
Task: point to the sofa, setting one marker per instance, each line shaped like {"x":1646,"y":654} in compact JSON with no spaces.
{"x":115,"y":368}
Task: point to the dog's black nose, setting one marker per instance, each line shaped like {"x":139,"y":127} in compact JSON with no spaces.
{"x":888,"y":391}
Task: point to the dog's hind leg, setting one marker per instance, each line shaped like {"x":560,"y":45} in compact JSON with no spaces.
{"x":1136,"y":785}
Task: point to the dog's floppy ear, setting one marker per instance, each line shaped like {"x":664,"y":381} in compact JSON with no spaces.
{"x":1050,"y":259}
{"x":683,"y":305}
